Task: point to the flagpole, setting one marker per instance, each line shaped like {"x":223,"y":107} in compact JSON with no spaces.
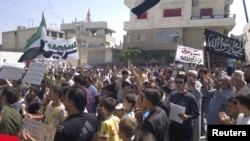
{"x":245,"y":9}
{"x":208,"y":62}
{"x":208,"y":57}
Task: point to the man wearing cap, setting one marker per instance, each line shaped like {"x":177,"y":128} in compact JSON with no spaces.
{"x":119,"y":110}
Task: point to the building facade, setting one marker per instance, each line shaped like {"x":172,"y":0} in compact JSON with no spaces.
{"x":173,"y":22}
{"x":16,"y":40}
{"x":96,"y":43}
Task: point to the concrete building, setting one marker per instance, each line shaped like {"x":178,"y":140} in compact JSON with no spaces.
{"x":16,"y":40}
{"x":95,"y":40}
{"x":173,"y":22}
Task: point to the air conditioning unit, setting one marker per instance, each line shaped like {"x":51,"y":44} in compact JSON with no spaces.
{"x":175,"y":37}
{"x":194,"y":2}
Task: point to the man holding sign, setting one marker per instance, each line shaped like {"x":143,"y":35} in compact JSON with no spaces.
{"x":184,"y":100}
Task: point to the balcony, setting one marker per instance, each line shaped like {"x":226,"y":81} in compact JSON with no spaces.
{"x":227,"y":20}
{"x":218,"y":16}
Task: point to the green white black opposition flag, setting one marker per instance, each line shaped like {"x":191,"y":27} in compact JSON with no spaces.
{"x":60,"y":50}
{"x":34,"y":45}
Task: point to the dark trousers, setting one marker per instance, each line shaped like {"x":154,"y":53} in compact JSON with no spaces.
{"x":179,"y":134}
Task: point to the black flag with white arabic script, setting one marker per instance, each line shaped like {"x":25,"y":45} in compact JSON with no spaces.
{"x":222,"y":45}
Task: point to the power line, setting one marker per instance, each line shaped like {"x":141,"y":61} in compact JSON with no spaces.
{"x":31,"y":23}
{"x":18,"y":3}
{"x":53,"y":10}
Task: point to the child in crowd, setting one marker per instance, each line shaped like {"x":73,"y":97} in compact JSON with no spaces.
{"x":119,"y":110}
{"x":34,"y":105}
{"x":232,"y":111}
{"x":55,"y":111}
{"x":144,"y":136}
{"x":129,"y":105}
{"x":243,"y":104}
{"x":20,"y":105}
{"x":127,"y":129}
{"x":126,"y":88}
{"x":109,"y":127}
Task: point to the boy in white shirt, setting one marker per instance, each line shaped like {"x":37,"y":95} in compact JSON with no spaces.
{"x":243,"y":104}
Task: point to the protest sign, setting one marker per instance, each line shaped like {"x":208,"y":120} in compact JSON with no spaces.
{"x":189,"y":55}
{"x":35,"y":73}
{"x":39,"y":130}
{"x":12,"y":71}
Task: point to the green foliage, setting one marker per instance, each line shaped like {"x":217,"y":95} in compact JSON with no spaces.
{"x":130,"y":53}
{"x":147,"y":55}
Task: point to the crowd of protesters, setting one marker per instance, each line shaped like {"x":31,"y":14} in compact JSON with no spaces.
{"x":132,"y":103}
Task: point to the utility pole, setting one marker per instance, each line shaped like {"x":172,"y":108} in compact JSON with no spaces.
{"x":245,"y":9}
{"x":78,"y":29}
{"x":80,"y":49}
{"x":31,"y":22}
{"x":51,"y":25}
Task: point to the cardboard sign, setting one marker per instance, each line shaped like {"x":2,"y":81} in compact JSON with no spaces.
{"x":35,"y":73}
{"x":189,"y":55}
{"x":12,"y":71}
{"x":38,"y":130}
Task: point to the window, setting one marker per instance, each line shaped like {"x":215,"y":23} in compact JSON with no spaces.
{"x":60,"y":35}
{"x":168,"y":35}
{"x":172,"y":12}
{"x":140,"y":37}
{"x":53,"y":34}
{"x":143,"y":16}
{"x":206,"y":12}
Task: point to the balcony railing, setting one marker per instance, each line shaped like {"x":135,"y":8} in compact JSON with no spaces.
{"x":218,"y":16}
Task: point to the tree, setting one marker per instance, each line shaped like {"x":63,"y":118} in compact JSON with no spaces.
{"x":160,"y":55}
{"x":147,"y":55}
{"x":130,"y":53}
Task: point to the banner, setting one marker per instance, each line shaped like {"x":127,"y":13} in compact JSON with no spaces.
{"x":60,"y":50}
{"x":35,"y":73}
{"x":189,"y":55}
{"x":224,"y":46}
{"x":12,"y":71}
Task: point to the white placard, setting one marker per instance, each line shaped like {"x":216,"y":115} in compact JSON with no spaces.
{"x":174,"y":111}
{"x":35,"y":73}
{"x":189,"y":55}
{"x":39,"y":130}
{"x":12,"y":71}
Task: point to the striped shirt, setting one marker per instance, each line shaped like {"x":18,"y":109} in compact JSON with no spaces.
{"x":54,"y":115}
